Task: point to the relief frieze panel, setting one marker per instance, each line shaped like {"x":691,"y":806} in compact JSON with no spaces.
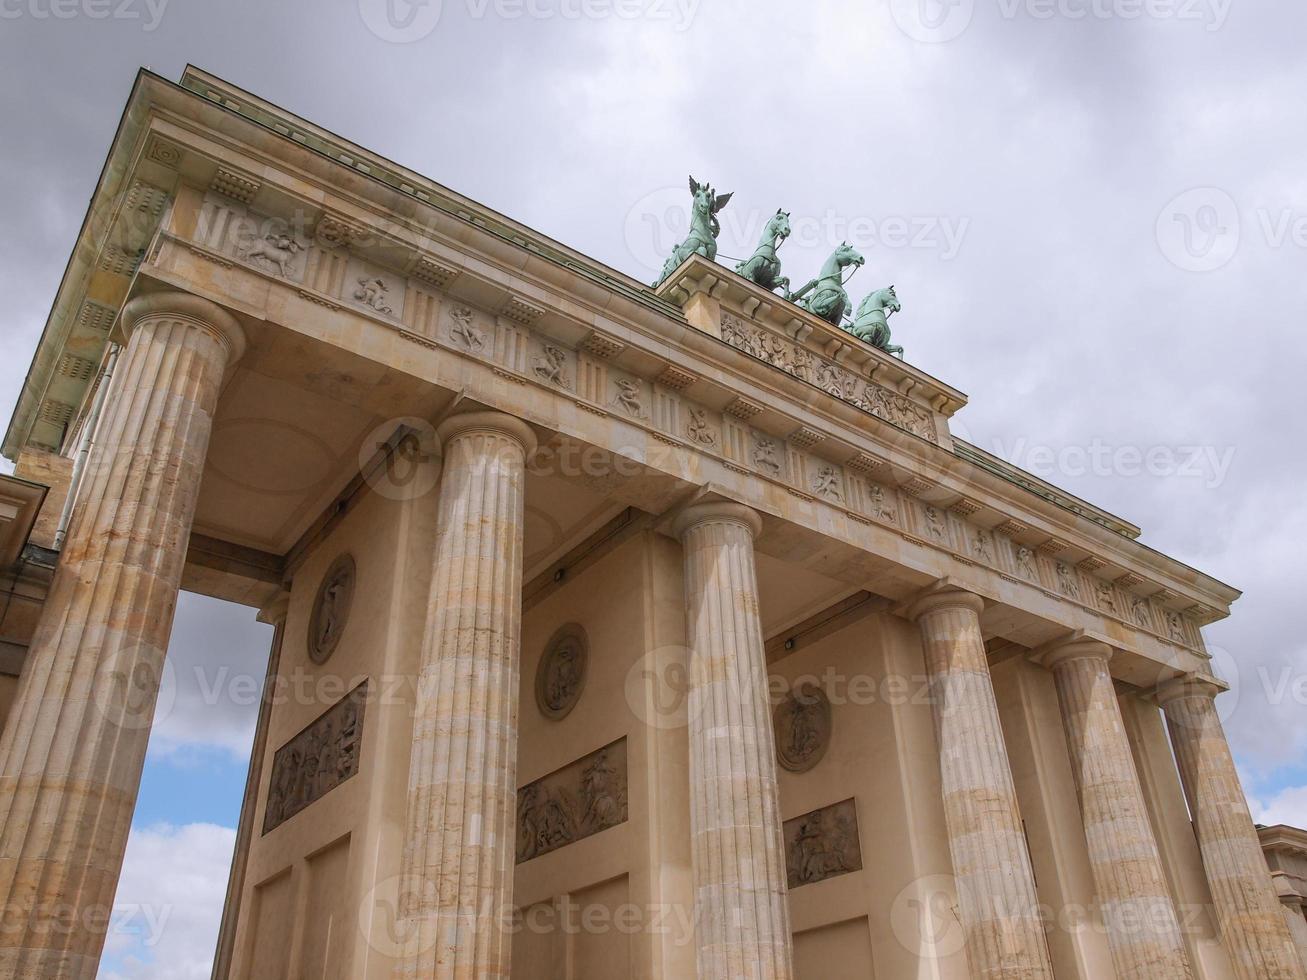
{"x":822,"y":844}
{"x":836,"y":380}
{"x":573,"y":803}
{"x":317,"y":760}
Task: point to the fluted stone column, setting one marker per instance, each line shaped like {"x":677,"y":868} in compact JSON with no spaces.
{"x":459,"y":849}
{"x":997,"y":901}
{"x":741,"y":903}
{"x":72,"y":753}
{"x":1292,"y":904}
{"x":1247,"y":906}
{"x":1142,"y":928}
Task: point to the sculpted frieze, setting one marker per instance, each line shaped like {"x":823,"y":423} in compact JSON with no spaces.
{"x":822,"y":844}
{"x":837,"y":381}
{"x":317,"y":760}
{"x":576,"y":802}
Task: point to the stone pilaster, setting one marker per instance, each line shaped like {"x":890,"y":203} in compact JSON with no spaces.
{"x":741,"y":901}
{"x":1142,"y":928}
{"x":275,"y":615}
{"x":459,"y":849}
{"x":997,"y":901}
{"x":72,"y":753}
{"x":1247,"y":906}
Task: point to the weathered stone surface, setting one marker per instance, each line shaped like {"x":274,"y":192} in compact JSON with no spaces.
{"x":574,"y":803}
{"x":741,"y":907}
{"x":457,"y":883}
{"x":1247,"y":907}
{"x":996,"y":886}
{"x":822,"y":844}
{"x":1142,"y":927}
{"x":72,"y":752}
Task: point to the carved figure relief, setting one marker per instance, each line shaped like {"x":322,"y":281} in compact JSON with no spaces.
{"x":880,"y":505}
{"x":935,"y":523}
{"x":573,"y":803}
{"x":803,"y":728}
{"x":1175,"y":626}
{"x":561,"y":673}
{"x":822,"y":844}
{"x":1066,"y":581}
{"x":464,"y":331}
{"x":1107,"y":598}
{"x":1026,"y":564}
{"x":371,"y":292}
{"x":1140,"y":612}
{"x":331,"y":609}
{"x":699,"y":429}
{"x":629,"y":397}
{"x":827,"y":483}
{"x":766,"y":456}
{"x":838,"y":381}
{"x":317,"y":760}
{"x":549,"y":366}
{"x":275,"y":251}
{"x":982,"y":547}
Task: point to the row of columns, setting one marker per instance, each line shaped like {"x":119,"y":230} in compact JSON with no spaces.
{"x":71,"y":757}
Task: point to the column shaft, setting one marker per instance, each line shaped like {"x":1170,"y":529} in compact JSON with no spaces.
{"x":1142,"y":928}
{"x":72,"y":753}
{"x":997,"y":900}
{"x":459,"y":849}
{"x":1247,"y":906}
{"x":741,"y":898}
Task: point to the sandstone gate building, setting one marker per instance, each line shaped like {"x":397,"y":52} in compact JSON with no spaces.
{"x":533,"y":537}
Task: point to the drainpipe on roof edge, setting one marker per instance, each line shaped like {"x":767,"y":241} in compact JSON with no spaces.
{"x":84,"y":449}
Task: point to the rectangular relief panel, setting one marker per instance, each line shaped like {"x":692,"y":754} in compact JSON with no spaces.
{"x":573,"y":803}
{"x":317,"y":760}
{"x":822,"y":844}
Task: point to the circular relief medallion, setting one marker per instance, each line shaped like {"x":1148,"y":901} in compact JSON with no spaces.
{"x":803,"y":726}
{"x":331,"y":609}
{"x":560,"y":677}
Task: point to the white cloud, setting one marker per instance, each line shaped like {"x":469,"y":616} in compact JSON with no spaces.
{"x":1289,"y":806}
{"x":169,"y":903}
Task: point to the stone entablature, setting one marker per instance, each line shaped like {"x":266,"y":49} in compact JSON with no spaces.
{"x":632,"y":358}
{"x":867,"y":486}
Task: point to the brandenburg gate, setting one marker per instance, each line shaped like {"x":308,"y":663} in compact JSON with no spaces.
{"x":621,"y":631}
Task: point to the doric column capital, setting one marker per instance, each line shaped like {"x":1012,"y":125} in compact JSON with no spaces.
{"x":938,"y":598}
{"x":1080,"y":648}
{"x":497,"y":422}
{"x":1188,"y":686}
{"x":204,"y":314}
{"x":717,"y":512}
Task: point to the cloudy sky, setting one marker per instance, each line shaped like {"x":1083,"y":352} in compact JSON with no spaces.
{"x":1095,"y":212}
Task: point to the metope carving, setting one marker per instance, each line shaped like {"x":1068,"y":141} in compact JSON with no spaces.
{"x":561,"y":673}
{"x":803,"y":728}
{"x":549,"y":366}
{"x":463,"y":330}
{"x":629,"y":398}
{"x":317,"y":760}
{"x":276,"y":251}
{"x":331,"y":609}
{"x":576,"y":802}
{"x":839,"y":382}
{"x":822,"y":844}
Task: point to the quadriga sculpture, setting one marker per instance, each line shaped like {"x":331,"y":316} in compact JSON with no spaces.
{"x":829,"y":299}
{"x":764,"y":268}
{"x":704,"y":229}
{"x":872,"y":321}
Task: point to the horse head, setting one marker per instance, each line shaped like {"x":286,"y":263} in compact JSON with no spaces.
{"x":779,"y":226}
{"x":847,"y":255}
